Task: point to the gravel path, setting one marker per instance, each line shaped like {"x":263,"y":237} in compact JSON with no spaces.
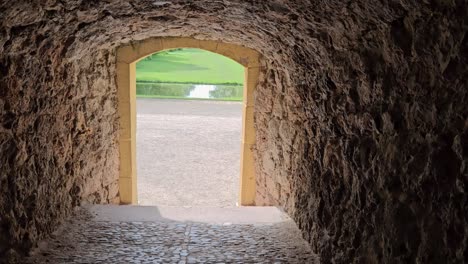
{"x":188,"y":152}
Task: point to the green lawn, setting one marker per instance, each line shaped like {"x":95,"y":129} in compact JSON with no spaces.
{"x":189,"y":66}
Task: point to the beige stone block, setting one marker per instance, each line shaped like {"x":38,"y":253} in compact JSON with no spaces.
{"x":132,"y":82}
{"x":125,"y":149}
{"x":148,"y":47}
{"x":173,"y":43}
{"x":247,"y":166}
{"x":125,"y":190}
{"x":125,"y":120}
{"x":233,"y":52}
{"x":243,"y":55}
{"x":123,"y":81}
{"x":127,"y":53}
{"x":248,"y":129}
{"x":208,"y":45}
{"x":247,"y":190}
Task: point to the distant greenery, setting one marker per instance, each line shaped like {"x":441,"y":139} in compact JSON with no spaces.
{"x":189,"y":66}
{"x":228,"y":92}
{"x":183,"y":90}
{"x":163,"y":89}
{"x":234,"y":99}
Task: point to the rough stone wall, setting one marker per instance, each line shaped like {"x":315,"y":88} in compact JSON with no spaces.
{"x":380,"y":172}
{"x":57,"y":126}
{"x":361,"y":115}
{"x":367,"y":149}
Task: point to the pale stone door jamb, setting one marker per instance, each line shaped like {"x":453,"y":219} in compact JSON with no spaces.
{"x":127,"y":57}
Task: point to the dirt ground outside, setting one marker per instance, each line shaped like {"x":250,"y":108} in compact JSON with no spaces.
{"x":188,"y":152}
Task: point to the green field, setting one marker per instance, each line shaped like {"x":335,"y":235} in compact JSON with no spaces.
{"x":189,"y":66}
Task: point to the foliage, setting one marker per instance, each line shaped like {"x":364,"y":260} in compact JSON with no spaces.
{"x":182,"y":90}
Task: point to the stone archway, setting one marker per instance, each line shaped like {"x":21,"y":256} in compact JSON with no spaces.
{"x":128,"y":55}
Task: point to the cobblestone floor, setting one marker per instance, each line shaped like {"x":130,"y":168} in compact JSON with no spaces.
{"x":85,"y":240}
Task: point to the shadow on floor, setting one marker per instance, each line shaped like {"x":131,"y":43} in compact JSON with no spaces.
{"x":152,"y":234}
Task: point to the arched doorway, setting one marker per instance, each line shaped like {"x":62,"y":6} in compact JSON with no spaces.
{"x":128,"y":55}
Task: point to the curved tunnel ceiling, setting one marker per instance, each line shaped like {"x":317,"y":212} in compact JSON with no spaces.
{"x":360,"y":115}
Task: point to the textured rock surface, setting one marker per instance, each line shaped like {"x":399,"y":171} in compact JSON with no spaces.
{"x":361,"y":115}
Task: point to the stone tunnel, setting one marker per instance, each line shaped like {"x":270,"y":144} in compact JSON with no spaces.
{"x":360,"y":116}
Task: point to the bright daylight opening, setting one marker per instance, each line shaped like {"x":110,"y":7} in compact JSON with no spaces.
{"x":189,"y":122}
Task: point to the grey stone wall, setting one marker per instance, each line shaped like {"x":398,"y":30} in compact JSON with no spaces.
{"x":361,"y":115}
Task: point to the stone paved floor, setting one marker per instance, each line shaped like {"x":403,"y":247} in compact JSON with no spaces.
{"x":86,"y":239}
